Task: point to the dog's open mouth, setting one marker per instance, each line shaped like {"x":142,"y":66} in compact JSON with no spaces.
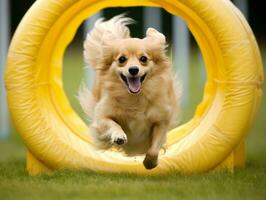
{"x":133,"y":83}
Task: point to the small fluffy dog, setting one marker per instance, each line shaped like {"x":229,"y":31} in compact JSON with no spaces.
{"x":134,"y":101}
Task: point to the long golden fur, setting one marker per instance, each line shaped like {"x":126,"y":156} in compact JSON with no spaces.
{"x":135,"y":98}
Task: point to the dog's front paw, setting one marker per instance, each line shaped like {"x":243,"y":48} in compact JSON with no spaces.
{"x":150,"y":161}
{"x":118,"y":139}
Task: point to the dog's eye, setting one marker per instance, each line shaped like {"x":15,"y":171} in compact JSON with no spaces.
{"x":143,"y":59}
{"x":122,"y":59}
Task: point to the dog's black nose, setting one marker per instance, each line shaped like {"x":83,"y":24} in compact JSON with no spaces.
{"x":133,"y":70}
{"x":120,"y":141}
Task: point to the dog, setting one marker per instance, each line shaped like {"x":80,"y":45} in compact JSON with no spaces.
{"x":135,"y":97}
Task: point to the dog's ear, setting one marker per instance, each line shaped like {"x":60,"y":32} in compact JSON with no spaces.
{"x":99,"y":50}
{"x":108,"y":37}
{"x":155,"y":36}
{"x":156,"y":45}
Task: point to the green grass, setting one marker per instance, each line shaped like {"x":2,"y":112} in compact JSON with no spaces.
{"x":248,"y":183}
{"x":243,"y":184}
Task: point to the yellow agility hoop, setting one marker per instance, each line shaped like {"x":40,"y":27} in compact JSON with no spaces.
{"x":57,"y":138}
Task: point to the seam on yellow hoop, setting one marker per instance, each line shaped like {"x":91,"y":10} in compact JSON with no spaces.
{"x":256,"y":83}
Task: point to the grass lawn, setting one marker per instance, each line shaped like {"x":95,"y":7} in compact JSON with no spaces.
{"x":248,"y":183}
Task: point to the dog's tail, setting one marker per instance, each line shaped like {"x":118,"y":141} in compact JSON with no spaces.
{"x":115,"y":28}
{"x":87,"y":101}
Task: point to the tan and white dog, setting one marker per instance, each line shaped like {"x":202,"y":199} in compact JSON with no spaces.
{"x":135,"y":98}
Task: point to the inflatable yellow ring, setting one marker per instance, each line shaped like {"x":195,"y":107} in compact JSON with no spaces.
{"x":57,"y":138}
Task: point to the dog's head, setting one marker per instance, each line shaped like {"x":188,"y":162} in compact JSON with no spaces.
{"x":133,"y":61}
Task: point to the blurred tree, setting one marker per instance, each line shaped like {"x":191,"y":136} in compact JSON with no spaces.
{"x":257,"y":16}
{"x":18,"y":10}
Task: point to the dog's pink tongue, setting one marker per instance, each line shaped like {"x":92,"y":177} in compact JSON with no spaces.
{"x":134,"y":84}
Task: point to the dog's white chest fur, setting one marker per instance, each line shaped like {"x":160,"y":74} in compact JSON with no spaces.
{"x":138,"y":132}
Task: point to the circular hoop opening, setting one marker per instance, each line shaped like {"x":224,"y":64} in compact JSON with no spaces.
{"x":63,"y":31}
